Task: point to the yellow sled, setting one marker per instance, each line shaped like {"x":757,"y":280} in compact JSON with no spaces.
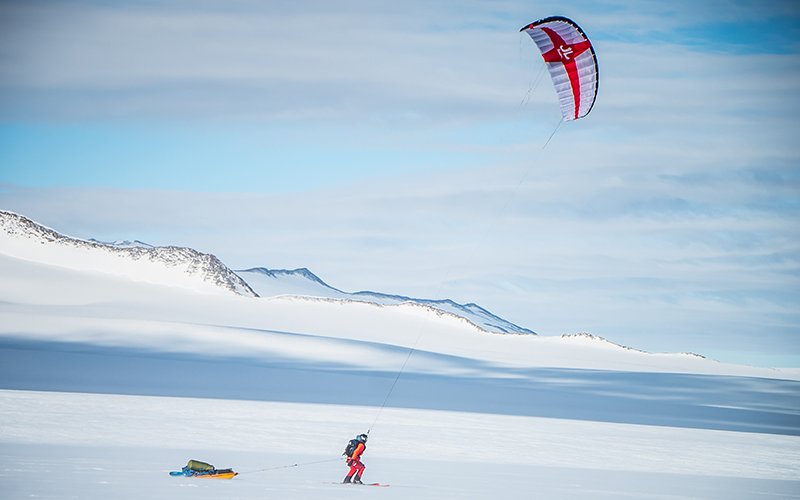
{"x":223,"y":474}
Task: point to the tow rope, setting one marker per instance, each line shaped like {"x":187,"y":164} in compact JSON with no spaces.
{"x":289,"y":466}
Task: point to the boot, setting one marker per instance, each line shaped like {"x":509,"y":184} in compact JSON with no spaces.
{"x":357,"y":479}
{"x":347,"y":479}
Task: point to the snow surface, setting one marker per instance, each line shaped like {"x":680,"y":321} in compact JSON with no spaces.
{"x":109,"y":380}
{"x":89,"y":446}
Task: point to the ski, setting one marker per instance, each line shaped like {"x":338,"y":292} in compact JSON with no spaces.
{"x":382,"y":485}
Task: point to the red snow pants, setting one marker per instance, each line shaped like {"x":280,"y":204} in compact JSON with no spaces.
{"x":356,"y":467}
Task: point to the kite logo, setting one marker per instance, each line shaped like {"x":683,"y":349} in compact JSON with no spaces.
{"x":565,"y":52}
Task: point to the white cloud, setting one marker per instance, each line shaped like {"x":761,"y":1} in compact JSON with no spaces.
{"x":91,"y":61}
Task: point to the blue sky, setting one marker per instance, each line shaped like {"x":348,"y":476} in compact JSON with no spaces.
{"x":399,"y":148}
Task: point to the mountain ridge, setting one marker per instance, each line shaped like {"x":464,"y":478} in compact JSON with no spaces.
{"x":187,"y":267}
{"x":471,"y":311}
{"x":183,"y":266}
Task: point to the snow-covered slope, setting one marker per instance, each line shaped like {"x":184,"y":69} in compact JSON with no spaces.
{"x":302,"y":282}
{"x":61,"y":289}
{"x":181,"y":267}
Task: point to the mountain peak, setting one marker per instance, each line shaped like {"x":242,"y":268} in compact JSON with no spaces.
{"x":123,"y":243}
{"x":301,"y":272}
{"x":171,"y":265}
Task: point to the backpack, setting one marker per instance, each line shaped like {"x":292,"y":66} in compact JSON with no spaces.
{"x":351,"y":447}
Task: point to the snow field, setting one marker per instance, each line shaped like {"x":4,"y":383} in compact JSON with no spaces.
{"x":103,"y":446}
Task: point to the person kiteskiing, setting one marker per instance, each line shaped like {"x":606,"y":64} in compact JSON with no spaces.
{"x":355,"y":448}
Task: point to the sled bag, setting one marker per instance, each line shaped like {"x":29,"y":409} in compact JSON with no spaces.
{"x":197,"y":465}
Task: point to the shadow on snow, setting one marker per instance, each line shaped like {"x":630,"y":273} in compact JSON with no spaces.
{"x":664,"y":399}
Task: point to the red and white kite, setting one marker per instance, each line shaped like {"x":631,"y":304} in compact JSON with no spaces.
{"x":571,"y":61}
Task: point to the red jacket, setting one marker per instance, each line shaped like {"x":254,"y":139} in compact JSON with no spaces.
{"x":356,"y":455}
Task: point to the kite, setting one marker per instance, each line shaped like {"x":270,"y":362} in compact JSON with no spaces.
{"x":572,"y":63}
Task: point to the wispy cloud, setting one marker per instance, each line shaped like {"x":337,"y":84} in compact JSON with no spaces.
{"x":345,"y":61}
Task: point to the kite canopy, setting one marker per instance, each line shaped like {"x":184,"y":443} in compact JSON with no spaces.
{"x":571,"y":61}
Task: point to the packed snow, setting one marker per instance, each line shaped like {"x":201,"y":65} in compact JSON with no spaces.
{"x":116,"y":368}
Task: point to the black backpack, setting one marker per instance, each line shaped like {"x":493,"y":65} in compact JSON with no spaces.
{"x":351,"y":447}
